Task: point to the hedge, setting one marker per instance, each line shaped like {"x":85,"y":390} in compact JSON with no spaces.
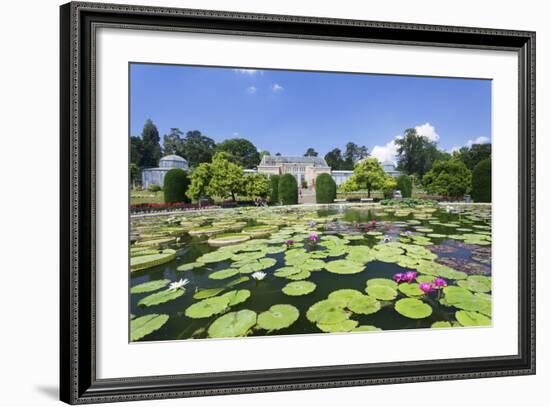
{"x":274,"y":195}
{"x":288,"y":190}
{"x":405,"y":185}
{"x":481,"y":181}
{"x":325,"y":189}
{"x":176,"y":183}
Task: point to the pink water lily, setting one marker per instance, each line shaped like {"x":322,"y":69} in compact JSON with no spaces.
{"x":410,"y":276}
{"x":289,"y":242}
{"x":312,"y":224}
{"x":399,"y":277}
{"x":314,"y":237}
{"x":439,"y":282}
{"x":426,"y":287}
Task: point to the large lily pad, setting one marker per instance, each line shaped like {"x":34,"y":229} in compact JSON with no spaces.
{"x":233,"y":324}
{"x":364,"y":305}
{"x":345,"y":295}
{"x":228,"y":238}
{"x":207,"y":293}
{"x":297,"y":288}
{"x":327,"y":312}
{"x":190,"y":266}
{"x":278,"y":317}
{"x":411,"y":290}
{"x":469,"y":318}
{"x":144,"y":325}
{"x":236,"y":296}
{"x":366,"y":328}
{"x":223,"y":274}
{"x":413,"y":308}
{"x":342,"y":326}
{"x":149,"y":286}
{"x":151,"y":260}
{"x":215,"y":257}
{"x":480,"y":284}
{"x":381,"y":292}
{"x":160,"y":297}
{"x":344,"y":267}
{"x":208,"y":307}
{"x":382,"y":281}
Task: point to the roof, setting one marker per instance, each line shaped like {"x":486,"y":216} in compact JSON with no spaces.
{"x":269,"y":160}
{"x":173,"y":157}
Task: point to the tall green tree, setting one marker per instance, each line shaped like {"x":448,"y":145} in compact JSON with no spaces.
{"x":288,"y":189}
{"x":176,"y":183}
{"x":200,"y":180}
{"x":415,"y":153}
{"x":471,"y":156}
{"x":448,"y":178}
{"x":173,"y":142}
{"x":241,"y":152}
{"x":405,"y":185}
{"x":136,"y":150}
{"x":334,"y":159}
{"x":481,"y":181}
{"x":310,"y":152}
{"x":367,"y":174}
{"x":134,"y":173}
{"x":274,"y":194}
{"x":227,"y":177}
{"x":325,"y":189}
{"x":256,"y":185}
{"x":197,"y":148}
{"x":150,"y":140}
{"x":353,"y":154}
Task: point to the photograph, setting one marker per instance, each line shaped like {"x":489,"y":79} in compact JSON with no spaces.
{"x":269,"y":202}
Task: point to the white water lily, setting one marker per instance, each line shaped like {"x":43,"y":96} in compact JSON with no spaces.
{"x":259,"y":275}
{"x":178,"y":284}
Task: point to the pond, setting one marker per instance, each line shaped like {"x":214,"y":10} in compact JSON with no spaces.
{"x":309,"y":269}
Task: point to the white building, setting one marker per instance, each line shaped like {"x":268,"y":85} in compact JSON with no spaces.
{"x":151,"y":176}
{"x":302,"y":168}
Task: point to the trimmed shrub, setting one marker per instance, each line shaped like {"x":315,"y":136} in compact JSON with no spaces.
{"x":288,"y":190}
{"x":481,"y":181}
{"x":325,"y":189}
{"x":274,"y":194}
{"x":405,"y":185}
{"x":154,"y":188}
{"x":176,"y":183}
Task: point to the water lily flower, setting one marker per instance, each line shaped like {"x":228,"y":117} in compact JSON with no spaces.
{"x":314,"y":237}
{"x":178,"y":284}
{"x":258,"y":275}
{"x":399,"y":277}
{"x":410,"y":276}
{"x":439,"y":282}
{"x":426,"y":287}
{"x":289,"y":242}
{"x":387,"y":239}
{"x":408,"y":233}
{"x":312,"y":224}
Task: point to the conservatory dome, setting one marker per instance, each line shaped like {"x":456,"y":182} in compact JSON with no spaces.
{"x":173,"y":161}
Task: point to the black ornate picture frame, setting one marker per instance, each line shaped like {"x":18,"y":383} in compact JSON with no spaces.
{"x":78,"y":380}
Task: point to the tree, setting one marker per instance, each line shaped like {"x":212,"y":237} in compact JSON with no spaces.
{"x":334,"y":159}
{"x":256,"y":185}
{"x":448,"y":178}
{"x":197,"y":148}
{"x":353,"y":154}
{"x":274,"y":195}
{"x":264,"y":153}
{"x":310,"y":152}
{"x":415,"y":153}
{"x":176,"y":183}
{"x":288,"y":189}
{"x":481,"y":181}
{"x":388,"y":186}
{"x":368,"y":174}
{"x":150,"y":145}
{"x":325,"y":188}
{"x":241,"y":152}
{"x":134,"y":173}
{"x":471,"y":156}
{"x":405,"y":185}
{"x":227,"y":177}
{"x":173,"y":142}
{"x":136,"y":150}
{"x":200,"y":179}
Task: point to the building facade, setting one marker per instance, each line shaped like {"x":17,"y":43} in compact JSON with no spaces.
{"x":304,"y":169}
{"x":156,"y":175}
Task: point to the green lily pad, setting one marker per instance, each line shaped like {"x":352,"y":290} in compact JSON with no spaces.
{"x":480,"y":284}
{"x":152,"y":260}
{"x":142,"y":326}
{"x":208,"y":307}
{"x":227,"y":239}
{"x":207,"y":293}
{"x":297,"y":288}
{"x":160,"y":297}
{"x":236,"y":296}
{"x":470,"y":318}
{"x":413,"y":308}
{"x":327,"y":312}
{"x":149,"y":286}
{"x":441,"y":324}
{"x":382,"y":281}
{"x":248,"y":256}
{"x":411,"y":289}
{"x":215,"y":257}
{"x":381,"y":292}
{"x":344,"y":267}
{"x":364,"y":305}
{"x":237,"y":281}
{"x":312,"y":265}
{"x":342,"y":326}
{"x":286,"y":271}
{"x":302,"y":275}
{"x":345,"y":295}
{"x":366,"y":328}
{"x":222,"y":274}
{"x":233,"y":324}
{"x":190,"y":266}
{"x":278,"y":317}
{"x":462,"y":298}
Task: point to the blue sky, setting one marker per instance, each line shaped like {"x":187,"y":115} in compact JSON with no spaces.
{"x":289,"y":111}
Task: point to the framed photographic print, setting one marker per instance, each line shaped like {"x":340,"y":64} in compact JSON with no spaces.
{"x":257,"y":203}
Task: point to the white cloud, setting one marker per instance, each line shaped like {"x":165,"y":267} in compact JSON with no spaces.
{"x":386,"y":152}
{"x":277,"y":88}
{"x":250,"y":72}
{"x":251,"y":90}
{"x":470,"y":143}
{"x":428,"y":131}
